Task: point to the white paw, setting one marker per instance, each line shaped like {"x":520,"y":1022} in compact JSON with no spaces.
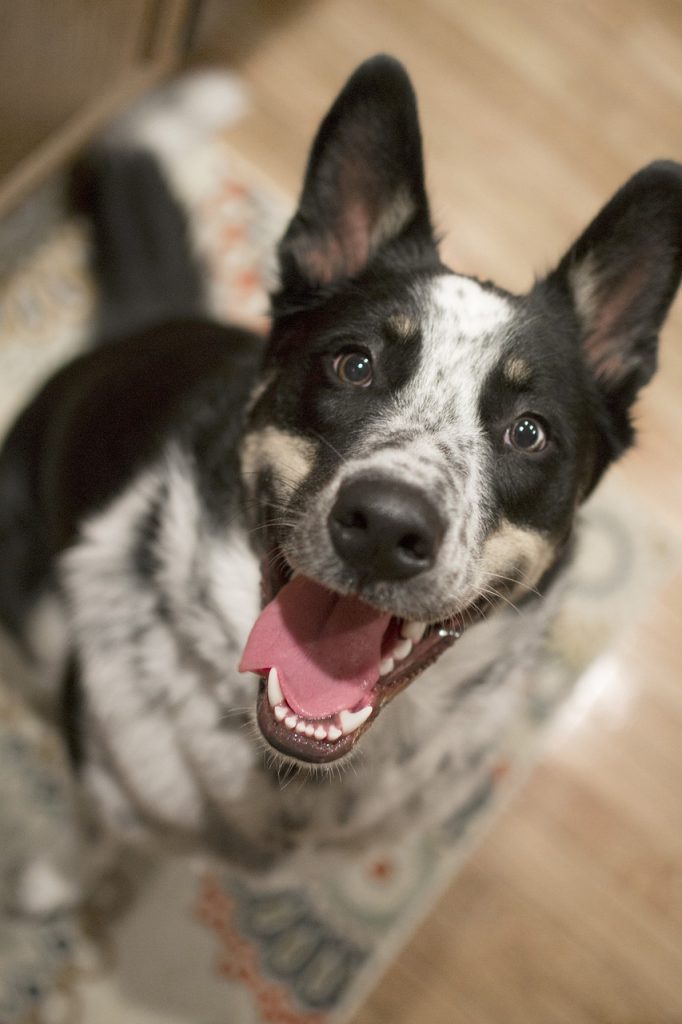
{"x":41,"y":890}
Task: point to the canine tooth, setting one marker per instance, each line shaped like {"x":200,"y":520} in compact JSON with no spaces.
{"x":300,"y":727}
{"x":333,"y":733}
{"x":290,"y":721}
{"x":386,"y":666}
{"x":321,"y":733}
{"x":281,"y":712}
{"x":402,"y":649}
{"x":352,"y":720}
{"x":413,"y":631}
{"x":310,"y":730}
{"x":275,"y":695}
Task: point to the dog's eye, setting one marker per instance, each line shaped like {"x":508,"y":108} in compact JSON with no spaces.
{"x":526,"y":434}
{"x":354,"y":368}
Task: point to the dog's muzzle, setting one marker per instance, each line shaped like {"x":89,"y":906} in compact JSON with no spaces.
{"x":329,"y":661}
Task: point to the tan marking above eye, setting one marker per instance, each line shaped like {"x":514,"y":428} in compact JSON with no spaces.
{"x":517,"y":371}
{"x":402,"y":325}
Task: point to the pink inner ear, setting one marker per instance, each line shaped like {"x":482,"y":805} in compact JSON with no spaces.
{"x":344,"y":249}
{"x":606,"y":347}
{"x":356,"y":233}
{"x":344,"y":253}
{"x":323,"y":262}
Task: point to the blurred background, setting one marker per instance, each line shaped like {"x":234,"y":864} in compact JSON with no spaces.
{"x":533,"y":113}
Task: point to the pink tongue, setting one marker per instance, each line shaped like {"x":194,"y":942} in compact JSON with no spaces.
{"x":326,"y":648}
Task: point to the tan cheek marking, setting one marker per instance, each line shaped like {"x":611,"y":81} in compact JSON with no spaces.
{"x":288,"y":457}
{"x":517,"y":371}
{"x":511,"y":546}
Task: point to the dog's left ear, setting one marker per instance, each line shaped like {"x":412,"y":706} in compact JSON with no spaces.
{"x":364,"y":185}
{"x":621,"y":277}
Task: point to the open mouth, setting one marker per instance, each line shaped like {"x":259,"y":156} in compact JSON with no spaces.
{"x":329,"y":663}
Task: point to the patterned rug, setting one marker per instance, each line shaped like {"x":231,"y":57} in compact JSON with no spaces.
{"x":197,"y":942}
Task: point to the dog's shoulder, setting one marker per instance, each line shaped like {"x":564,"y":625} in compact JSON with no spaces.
{"x":97,"y":423}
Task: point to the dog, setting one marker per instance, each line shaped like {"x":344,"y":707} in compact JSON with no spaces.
{"x":229,"y":560}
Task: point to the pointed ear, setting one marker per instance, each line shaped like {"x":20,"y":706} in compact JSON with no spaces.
{"x":364,"y":185}
{"x":621,"y":277}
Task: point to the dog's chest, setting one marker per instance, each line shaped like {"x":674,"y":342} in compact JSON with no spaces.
{"x":159,"y":655}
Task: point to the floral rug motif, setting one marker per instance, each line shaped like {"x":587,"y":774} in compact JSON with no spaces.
{"x":201,"y":943}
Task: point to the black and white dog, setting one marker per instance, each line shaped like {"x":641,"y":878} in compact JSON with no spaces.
{"x":392,"y":481}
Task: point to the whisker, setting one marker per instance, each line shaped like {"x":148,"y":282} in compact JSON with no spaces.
{"x":326,"y":441}
{"x":291,"y":523}
{"x":518,"y":582}
{"x":291,"y":771}
{"x":501,"y":597}
{"x":235,"y":712}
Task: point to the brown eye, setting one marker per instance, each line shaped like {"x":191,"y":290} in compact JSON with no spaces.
{"x":354,"y":368}
{"x":526,"y":434}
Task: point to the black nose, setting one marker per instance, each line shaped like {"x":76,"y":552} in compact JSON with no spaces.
{"x":385,"y":528}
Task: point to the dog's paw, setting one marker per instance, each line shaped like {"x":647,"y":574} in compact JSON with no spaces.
{"x":42,"y":889}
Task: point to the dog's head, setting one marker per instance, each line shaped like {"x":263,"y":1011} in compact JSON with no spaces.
{"x":420,"y":441}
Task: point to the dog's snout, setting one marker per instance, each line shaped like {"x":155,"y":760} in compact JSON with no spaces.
{"x":386,"y":529}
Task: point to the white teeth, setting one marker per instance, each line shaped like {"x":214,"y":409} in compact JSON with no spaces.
{"x":348,"y":721}
{"x":413,"y":631}
{"x":402,"y":649}
{"x":352,"y":720}
{"x":275,"y":695}
{"x":386,"y":666}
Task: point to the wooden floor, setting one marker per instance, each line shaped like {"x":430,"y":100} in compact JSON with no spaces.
{"x":534,"y":111}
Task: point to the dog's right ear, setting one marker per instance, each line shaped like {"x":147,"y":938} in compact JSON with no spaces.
{"x":621,"y":277}
{"x":364,"y":185}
